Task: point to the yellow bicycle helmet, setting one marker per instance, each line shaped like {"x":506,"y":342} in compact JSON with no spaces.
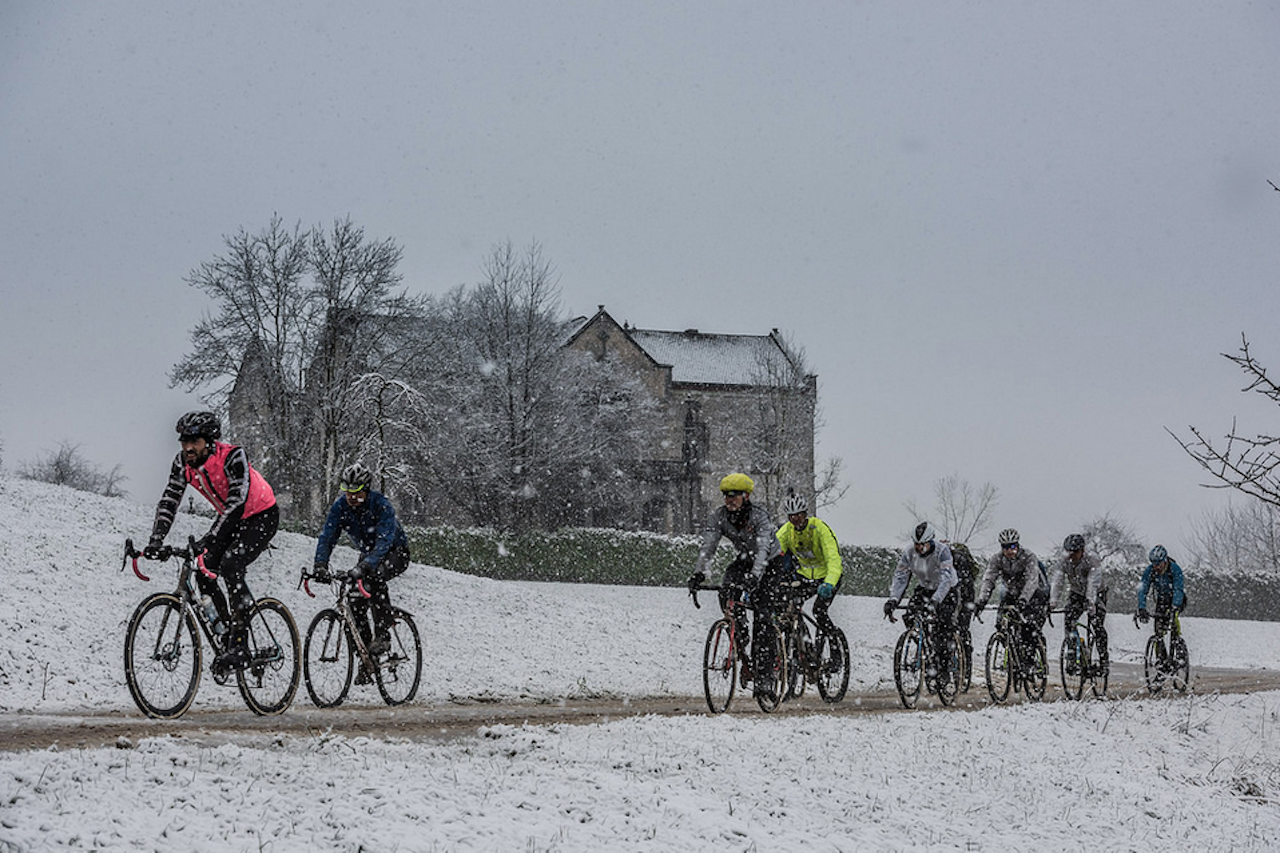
{"x":737,"y":482}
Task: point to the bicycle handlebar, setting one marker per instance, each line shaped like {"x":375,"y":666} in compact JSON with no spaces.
{"x":304,"y":582}
{"x":164,"y":553}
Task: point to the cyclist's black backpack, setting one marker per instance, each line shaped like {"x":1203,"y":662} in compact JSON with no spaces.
{"x":966,"y":569}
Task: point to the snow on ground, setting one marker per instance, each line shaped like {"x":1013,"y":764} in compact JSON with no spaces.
{"x":1202,"y":772}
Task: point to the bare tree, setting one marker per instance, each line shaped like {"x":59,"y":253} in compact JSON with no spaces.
{"x":66,"y":466}
{"x":1245,"y":463}
{"x":1239,"y":540}
{"x":256,"y":343}
{"x":960,"y":510}
{"x":370,"y":328}
{"x":299,"y":318}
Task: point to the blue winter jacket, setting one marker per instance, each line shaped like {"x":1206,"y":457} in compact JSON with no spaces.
{"x":1166,"y":583}
{"x":373,"y":529}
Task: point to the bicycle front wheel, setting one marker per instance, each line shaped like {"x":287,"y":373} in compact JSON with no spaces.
{"x":1073,"y":661}
{"x":1153,"y":664}
{"x":1179,"y":665}
{"x":271,"y":677}
{"x":832,"y":651}
{"x":327,"y":660}
{"x":999,"y":667}
{"x":719,"y":667}
{"x":400,"y":670}
{"x":162,"y":657}
{"x":908,"y":666}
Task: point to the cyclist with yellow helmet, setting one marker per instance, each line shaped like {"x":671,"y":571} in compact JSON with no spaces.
{"x":757,"y":558}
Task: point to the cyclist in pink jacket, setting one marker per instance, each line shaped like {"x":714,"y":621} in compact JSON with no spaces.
{"x":247,"y":520}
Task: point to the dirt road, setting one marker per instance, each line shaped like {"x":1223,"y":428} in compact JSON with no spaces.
{"x":448,"y":720}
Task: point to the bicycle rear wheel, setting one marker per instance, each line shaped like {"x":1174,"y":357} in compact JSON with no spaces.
{"x":999,"y":667}
{"x":794,"y":643}
{"x":271,"y":678}
{"x":400,"y":670}
{"x":908,"y":666}
{"x":327,"y":658}
{"x":162,"y":657}
{"x":1153,"y":664}
{"x":719,"y":667}
{"x":1037,"y":675}
{"x":770,"y":675}
{"x":832,"y":652}
{"x":1098,"y":671}
{"x":1179,"y":665}
{"x":950,"y":679}
{"x":1073,"y":661}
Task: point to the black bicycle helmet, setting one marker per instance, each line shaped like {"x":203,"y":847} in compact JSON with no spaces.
{"x":355,"y":477}
{"x":1074,"y":542}
{"x":195,"y":425}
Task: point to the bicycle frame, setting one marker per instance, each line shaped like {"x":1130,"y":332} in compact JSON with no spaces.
{"x":1018,"y":658}
{"x":343,"y":606}
{"x":187,"y":591}
{"x":912,"y":661}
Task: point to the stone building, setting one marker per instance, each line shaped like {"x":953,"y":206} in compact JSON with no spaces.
{"x":728,"y":403}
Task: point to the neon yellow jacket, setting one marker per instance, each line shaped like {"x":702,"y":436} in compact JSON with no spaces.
{"x":814,"y":550}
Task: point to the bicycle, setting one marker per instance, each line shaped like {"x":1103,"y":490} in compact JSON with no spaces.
{"x":822,"y":660}
{"x":163,"y":655}
{"x":1159,"y":664}
{"x":1010,"y":666}
{"x":722,"y":655}
{"x":1080,"y":661}
{"x":914,"y":656}
{"x":334,"y":641}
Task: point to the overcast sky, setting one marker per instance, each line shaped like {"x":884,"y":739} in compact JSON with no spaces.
{"x":1013,"y":238}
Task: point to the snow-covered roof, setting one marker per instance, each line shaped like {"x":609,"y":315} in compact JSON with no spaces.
{"x":711,"y":359}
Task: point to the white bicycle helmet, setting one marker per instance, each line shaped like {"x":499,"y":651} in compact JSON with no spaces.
{"x":924,"y":533}
{"x":795,"y":504}
{"x":1009,"y":536}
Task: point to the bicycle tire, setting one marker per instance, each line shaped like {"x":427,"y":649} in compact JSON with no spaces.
{"x":271,"y":678}
{"x":948,"y":688}
{"x":1180,"y":665}
{"x":999,"y":667}
{"x":908,"y":667}
{"x":832,"y":651}
{"x":1073,"y":663}
{"x":794,"y":642}
{"x":328,"y":659}
{"x":770,"y":680}
{"x":162,"y":657}
{"x":1152,"y":665}
{"x":719,"y":667}
{"x":1036,"y":679}
{"x":399,"y":671}
{"x":1099,"y":672}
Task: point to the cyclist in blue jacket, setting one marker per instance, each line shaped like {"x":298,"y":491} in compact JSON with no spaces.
{"x":370,"y":521}
{"x":1166,"y":576}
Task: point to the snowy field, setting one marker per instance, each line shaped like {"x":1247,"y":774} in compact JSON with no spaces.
{"x":1201,"y":772}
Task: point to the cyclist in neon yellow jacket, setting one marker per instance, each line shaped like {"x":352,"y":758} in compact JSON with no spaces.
{"x":814,"y":555}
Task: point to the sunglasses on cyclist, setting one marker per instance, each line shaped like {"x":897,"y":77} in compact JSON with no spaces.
{"x":1012,"y":546}
{"x":350,"y":490}
{"x":733,"y":493}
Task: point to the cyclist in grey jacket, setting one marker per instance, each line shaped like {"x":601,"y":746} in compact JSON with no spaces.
{"x":936,"y":593}
{"x":1081,"y":574}
{"x":757,"y":567}
{"x":1026,"y":587}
